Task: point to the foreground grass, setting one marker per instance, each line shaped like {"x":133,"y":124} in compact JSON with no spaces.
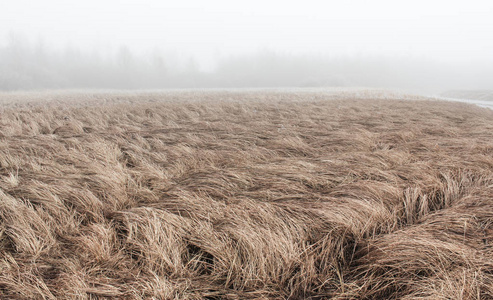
{"x":245,"y":195}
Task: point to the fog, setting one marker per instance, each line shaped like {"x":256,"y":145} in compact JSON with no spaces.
{"x":129,"y":44}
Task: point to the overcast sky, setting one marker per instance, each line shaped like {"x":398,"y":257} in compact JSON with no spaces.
{"x":441,"y":30}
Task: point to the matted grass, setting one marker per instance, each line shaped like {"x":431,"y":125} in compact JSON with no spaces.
{"x":235,"y":195}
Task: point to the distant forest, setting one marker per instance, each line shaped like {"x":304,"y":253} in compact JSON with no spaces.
{"x":26,"y":65}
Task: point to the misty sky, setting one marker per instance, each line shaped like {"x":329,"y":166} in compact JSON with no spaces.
{"x":440,"y":30}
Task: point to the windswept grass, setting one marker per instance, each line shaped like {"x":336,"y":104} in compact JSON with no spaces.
{"x":230,"y":195}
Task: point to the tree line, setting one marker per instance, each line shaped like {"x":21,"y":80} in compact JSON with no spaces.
{"x":25,"y":65}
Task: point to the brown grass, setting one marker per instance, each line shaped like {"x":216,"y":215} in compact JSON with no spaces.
{"x":230,"y":195}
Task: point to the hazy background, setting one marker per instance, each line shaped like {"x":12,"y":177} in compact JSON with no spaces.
{"x":129,"y":44}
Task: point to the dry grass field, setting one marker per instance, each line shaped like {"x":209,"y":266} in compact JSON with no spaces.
{"x":244,"y":195}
